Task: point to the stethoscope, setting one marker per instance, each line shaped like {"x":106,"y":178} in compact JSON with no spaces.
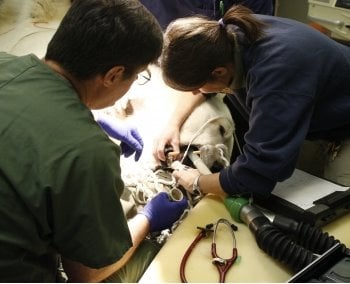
{"x":222,"y":264}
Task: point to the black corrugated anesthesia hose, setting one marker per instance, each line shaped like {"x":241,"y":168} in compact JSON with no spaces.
{"x":310,"y":237}
{"x":280,"y":246}
{"x":294,"y":244}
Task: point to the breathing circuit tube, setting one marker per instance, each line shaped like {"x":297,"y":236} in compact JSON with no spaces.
{"x":293,"y":244}
{"x":308,"y":236}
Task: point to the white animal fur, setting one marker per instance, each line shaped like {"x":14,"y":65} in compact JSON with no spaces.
{"x":48,"y":10}
{"x":26,"y":26}
{"x":12,"y":11}
{"x":150,"y":107}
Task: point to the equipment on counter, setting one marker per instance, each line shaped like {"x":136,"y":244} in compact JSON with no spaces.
{"x":298,"y":245}
{"x":295,"y":244}
{"x":332,"y":266}
{"x":332,"y":14}
{"x":303,"y":197}
{"x":307,"y":198}
{"x":222,"y":264}
{"x":204,"y":232}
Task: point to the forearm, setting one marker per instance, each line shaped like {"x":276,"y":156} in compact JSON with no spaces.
{"x":77,"y":272}
{"x":139,"y":229}
{"x":211,"y":184}
{"x":185,"y":105}
{"x":208,"y":183}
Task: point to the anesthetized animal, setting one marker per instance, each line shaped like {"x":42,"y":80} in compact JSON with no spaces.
{"x":209,"y":129}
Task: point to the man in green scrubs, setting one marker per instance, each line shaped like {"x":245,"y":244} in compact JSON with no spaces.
{"x":60,"y":177}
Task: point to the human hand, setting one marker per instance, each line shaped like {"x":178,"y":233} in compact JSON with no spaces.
{"x":131,"y":141}
{"x":162,"y":213}
{"x":184,"y":175}
{"x":169,"y":137}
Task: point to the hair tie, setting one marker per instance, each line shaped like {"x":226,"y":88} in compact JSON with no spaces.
{"x":222,"y":24}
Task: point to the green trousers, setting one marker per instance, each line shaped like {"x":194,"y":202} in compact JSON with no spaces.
{"x":137,"y":265}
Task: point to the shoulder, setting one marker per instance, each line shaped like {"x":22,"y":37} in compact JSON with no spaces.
{"x":5,"y":57}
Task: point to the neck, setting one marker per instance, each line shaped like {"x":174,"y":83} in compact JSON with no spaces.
{"x":81,"y":87}
{"x":61,"y":72}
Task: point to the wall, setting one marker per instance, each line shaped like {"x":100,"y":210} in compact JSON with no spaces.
{"x":293,"y":9}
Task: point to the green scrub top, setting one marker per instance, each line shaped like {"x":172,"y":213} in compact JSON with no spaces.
{"x":60,"y":177}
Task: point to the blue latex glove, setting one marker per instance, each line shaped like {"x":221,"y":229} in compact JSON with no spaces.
{"x":131,"y":141}
{"x":162,"y":213}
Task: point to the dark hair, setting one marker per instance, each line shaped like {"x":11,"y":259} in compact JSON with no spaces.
{"x":96,"y":35}
{"x":195,"y":46}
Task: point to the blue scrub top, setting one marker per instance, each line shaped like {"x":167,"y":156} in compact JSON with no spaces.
{"x":168,"y":10}
{"x":297,"y":87}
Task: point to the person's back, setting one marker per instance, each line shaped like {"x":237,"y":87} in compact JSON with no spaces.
{"x":166,"y":11}
{"x":44,"y":160}
{"x":300,"y":61}
{"x":304,"y":70}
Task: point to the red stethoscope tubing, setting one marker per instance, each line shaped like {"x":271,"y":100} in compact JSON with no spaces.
{"x":201,"y":235}
{"x":224,"y":264}
{"x":221,"y":264}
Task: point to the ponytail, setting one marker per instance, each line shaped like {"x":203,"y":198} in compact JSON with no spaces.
{"x":243,"y":17}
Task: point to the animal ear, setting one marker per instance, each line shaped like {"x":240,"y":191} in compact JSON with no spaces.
{"x":226,"y":127}
{"x":223,"y":148}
